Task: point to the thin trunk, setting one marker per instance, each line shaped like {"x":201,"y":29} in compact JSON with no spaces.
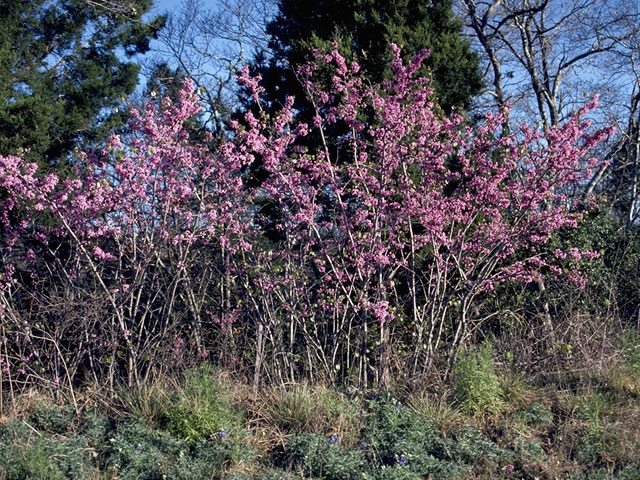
{"x":546,"y":312}
{"x":259,"y":357}
{"x":384,"y":370}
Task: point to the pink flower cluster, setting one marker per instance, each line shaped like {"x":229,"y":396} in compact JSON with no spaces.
{"x":402,"y":194}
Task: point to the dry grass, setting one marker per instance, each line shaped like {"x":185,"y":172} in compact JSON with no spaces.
{"x":276,"y":413}
{"x":445,"y":415}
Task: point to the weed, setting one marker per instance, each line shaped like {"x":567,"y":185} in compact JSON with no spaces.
{"x":292,"y":411}
{"x":201,"y":409}
{"x":148,"y":401}
{"x":317,"y":455}
{"x":302,"y":409}
{"x":477,"y":387}
{"x":342,"y":415}
{"x":630,"y":346}
{"x":51,"y":418}
{"x":516,"y":391}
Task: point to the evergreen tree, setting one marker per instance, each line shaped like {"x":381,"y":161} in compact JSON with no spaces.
{"x":64,"y":68}
{"x":364,"y":29}
{"x":165,"y":81}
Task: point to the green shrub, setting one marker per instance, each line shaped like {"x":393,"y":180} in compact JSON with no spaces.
{"x":51,"y":418}
{"x":72,"y":456}
{"x":628,"y":473}
{"x":397,"y":472}
{"x":537,"y":415}
{"x":96,"y":429}
{"x":529,"y":451}
{"x":472,"y":447}
{"x":139,"y":452}
{"x":477,"y":387}
{"x":625,"y":473}
{"x":395,"y":435}
{"x":24,"y":457}
{"x":27,"y":455}
{"x":273,"y":474}
{"x":210,"y":458}
{"x":33,"y":461}
{"x":201,"y":409}
{"x":324,"y":458}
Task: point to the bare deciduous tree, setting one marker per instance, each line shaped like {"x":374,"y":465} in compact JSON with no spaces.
{"x":211,"y":43}
{"x":547,"y":58}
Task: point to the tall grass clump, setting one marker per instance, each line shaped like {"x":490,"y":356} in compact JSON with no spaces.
{"x":477,"y":386}
{"x":304,"y":409}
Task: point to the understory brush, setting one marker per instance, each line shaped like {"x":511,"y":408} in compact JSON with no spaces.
{"x":205,"y":425}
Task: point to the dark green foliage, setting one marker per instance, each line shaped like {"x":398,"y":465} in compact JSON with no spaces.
{"x":136,"y":450}
{"x":625,"y":473}
{"x":364,"y":29}
{"x":317,"y":455}
{"x":529,"y":451}
{"x":585,"y":441}
{"x":132,"y":450}
{"x":612,"y":291}
{"x":63,"y":68}
{"x":96,"y":428}
{"x":473,"y":447}
{"x":396,"y":444}
{"x":396,"y":436}
{"x":27,"y":455}
{"x":270,"y":474}
{"x":50,"y":418}
{"x":615,"y":271}
{"x":54,"y":443}
{"x":537,"y":415}
{"x":397,"y":472}
{"x":139,"y":452}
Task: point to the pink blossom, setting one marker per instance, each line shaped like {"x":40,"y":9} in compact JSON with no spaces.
{"x":355,"y":218}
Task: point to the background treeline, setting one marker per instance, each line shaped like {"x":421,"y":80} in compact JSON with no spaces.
{"x":71,"y":314}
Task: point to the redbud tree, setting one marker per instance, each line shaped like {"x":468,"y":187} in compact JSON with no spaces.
{"x":391,"y":231}
{"x":402,"y":245}
{"x":139,"y":223}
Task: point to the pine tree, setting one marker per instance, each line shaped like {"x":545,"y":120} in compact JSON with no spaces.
{"x":364,"y":29}
{"x":65,"y":66}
